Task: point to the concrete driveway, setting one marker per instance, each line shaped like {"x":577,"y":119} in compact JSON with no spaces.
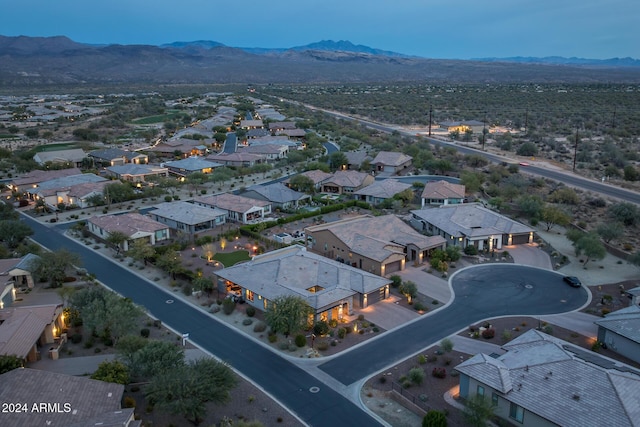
{"x":387,"y":314}
{"x":529,"y":254}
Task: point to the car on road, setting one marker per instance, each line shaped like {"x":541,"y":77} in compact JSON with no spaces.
{"x":572,"y":281}
{"x":523,"y":164}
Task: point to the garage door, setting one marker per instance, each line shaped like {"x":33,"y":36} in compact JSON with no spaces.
{"x":520,"y":239}
{"x":392,"y":267}
{"x":375,"y":296}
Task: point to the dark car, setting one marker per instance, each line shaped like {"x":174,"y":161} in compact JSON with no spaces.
{"x":572,"y":281}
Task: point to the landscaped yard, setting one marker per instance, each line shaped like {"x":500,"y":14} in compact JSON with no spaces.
{"x":232,"y":258}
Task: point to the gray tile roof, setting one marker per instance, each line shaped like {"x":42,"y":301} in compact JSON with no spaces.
{"x":391,"y":158}
{"x":231,"y":202}
{"x":87,"y":398}
{"x":471,"y":220}
{"x":442,"y":190}
{"x":624,"y":322}
{"x":384,"y":189}
{"x":132,"y":224}
{"x":192,"y":164}
{"x":293,"y":270}
{"x":186,"y":213}
{"x":136,"y":169}
{"x":72,"y":155}
{"x":70,"y":181}
{"x":277,"y":193}
{"x":115,"y":153}
{"x":348,"y":178}
{"x":551,"y":381}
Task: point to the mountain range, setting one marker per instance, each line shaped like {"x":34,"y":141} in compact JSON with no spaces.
{"x":37,"y":61}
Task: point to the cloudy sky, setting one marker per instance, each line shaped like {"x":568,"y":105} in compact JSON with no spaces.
{"x":430,"y":28}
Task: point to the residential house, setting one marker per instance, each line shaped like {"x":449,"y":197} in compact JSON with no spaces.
{"x":462,"y":126}
{"x":181,"y":147}
{"x":68,"y":190}
{"x":276,"y":140}
{"x":317,"y":176}
{"x":25,"y":331}
{"x":391,"y":162}
{"x":346,"y":182}
{"x":270,"y":152}
{"x":278,"y":126}
{"x":136,"y":173}
{"x":257,"y":133}
{"x":355,"y":159}
{"x":117,"y":157}
{"x":380,"y":191}
{"x":35,"y":177}
{"x":73,"y":157}
{"x":619,"y":331}
{"x":185,"y":167}
{"x":133,"y":225}
{"x":236,"y":159}
{"x":332,"y":289}
{"x":240,"y":209}
{"x":57,"y":400}
{"x":187,"y":217}
{"x":472,"y":224}
{"x":544,"y":381}
{"x":279,"y":195}
{"x":15,"y":273}
{"x":442,"y":193}
{"x":380,"y":245}
{"x":251,"y":124}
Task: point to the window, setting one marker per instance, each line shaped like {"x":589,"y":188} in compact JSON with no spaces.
{"x":516,"y":412}
{"x":249,"y":295}
{"x":494,"y":399}
{"x":480,"y":391}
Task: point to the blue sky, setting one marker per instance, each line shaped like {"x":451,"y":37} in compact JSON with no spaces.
{"x":430,"y":28}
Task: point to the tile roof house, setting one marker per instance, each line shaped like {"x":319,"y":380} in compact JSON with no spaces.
{"x":236,"y":159}
{"x":251,"y":124}
{"x":190,"y":165}
{"x":133,"y":225}
{"x":69,"y":190}
{"x":15,"y":273}
{"x":236,"y":208}
{"x":380,"y":191}
{"x":442,"y":193}
{"x":136,"y":173}
{"x":380,"y":245}
{"x":391,"y":162}
{"x":117,"y":157}
{"x":356,"y":158}
{"x":185,"y":147}
{"x":68,"y":401}
{"x":461,"y":126}
{"x":471,"y":224}
{"x":187,"y":217}
{"x":276,"y":126}
{"x":278,"y":194}
{"x":73,"y":157}
{"x":317,"y":176}
{"x":268,"y":151}
{"x":35,"y":177}
{"x":620,"y":332}
{"x":346,"y":182}
{"x":331,"y":288}
{"x":544,"y":381}
{"x":26,"y":329}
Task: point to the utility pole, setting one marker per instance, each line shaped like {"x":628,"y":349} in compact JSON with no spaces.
{"x":430,"y":116}
{"x":526,"y":120}
{"x":575,"y":150}
{"x":484,"y":130}
{"x":613,"y":122}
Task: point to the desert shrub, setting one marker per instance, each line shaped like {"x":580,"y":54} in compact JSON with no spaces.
{"x":422,"y":359}
{"x":283,"y":345}
{"x":250,"y":311}
{"x":416,"y":375}
{"x":333,"y":323}
{"x":76,"y":338}
{"x":145,"y":332}
{"x":432,"y":358}
{"x":214,"y":309}
{"x":471,"y":250}
{"x":228,"y":305}
{"x":321,"y":328}
{"x":434,"y":418}
{"x":548,"y":330}
{"x":383,"y":379}
{"x":418,"y":306}
{"x":506,"y":335}
{"x":247,"y":322}
{"x":361,"y":317}
{"x":129,"y":402}
{"x":88,"y":344}
{"x":342,"y":332}
{"x":396,"y":281}
{"x":301,"y":340}
{"x":260,"y":327}
{"x":273,"y":338}
{"x":439,"y":372}
{"x":488,"y":333}
{"x":323,"y":345}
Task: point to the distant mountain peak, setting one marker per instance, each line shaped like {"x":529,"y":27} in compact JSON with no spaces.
{"x":346,"y":46}
{"x":205,"y":44}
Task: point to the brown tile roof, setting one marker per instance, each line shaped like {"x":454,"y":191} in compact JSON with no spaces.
{"x":86,"y":398}
{"x":443,"y":190}
{"x":38,"y":176}
{"x":129,"y":223}
{"x":231,"y":202}
{"x":347,"y":178}
{"x":391,"y":158}
{"x":22,"y":326}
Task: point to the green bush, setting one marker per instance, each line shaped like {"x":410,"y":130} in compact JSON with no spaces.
{"x":145,"y":332}
{"x":439,"y":372}
{"x":250,"y":311}
{"x":76,"y":338}
{"x":434,"y":418}
{"x":247,"y":322}
{"x":129,"y":402}
{"x":471,"y":250}
{"x":342,"y":332}
{"x":273,"y":338}
{"x":321,"y":328}
{"x":333,"y":323}
{"x":228,"y":305}
{"x":322,"y":345}
{"x":416,"y":375}
{"x":301,"y":340}
{"x":422,"y":359}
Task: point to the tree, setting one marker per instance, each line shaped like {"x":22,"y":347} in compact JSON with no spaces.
{"x":287,"y":314}
{"x":552,"y":215}
{"x":54,"y":265}
{"x":95,"y":200}
{"x":155,"y":358}
{"x":630,"y":173}
{"x":128,"y":345}
{"x":471,"y":180}
{"x":409,"y":290}
{"x":591,"y":246}
{"x":338,"y":160}
{"x":8,"y":212}
{"x":169,"y":262}
{"x":112,"y":372}
{"x":9,"y":363}
{"x":478,"y":411}
{"x":453,"y":253}
{"x":116,"y":239}
{"x":434,"y":418}
{"x":118,"y":193}
{"x":187,"y":389}
{"x":13,"y":232}
{"x":262,"y":168}
{"x":302,"y":183}
{"x":468,"y":135}
{"x":610,"y":231}
{"x":531,"y":205}
{"x":196,"y":179}
{"x":624,"y":212}
{"x":140,"y":250}
{"x":527,"y":149}
{"x":202,"y":283}
{"x":405,"y":196}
